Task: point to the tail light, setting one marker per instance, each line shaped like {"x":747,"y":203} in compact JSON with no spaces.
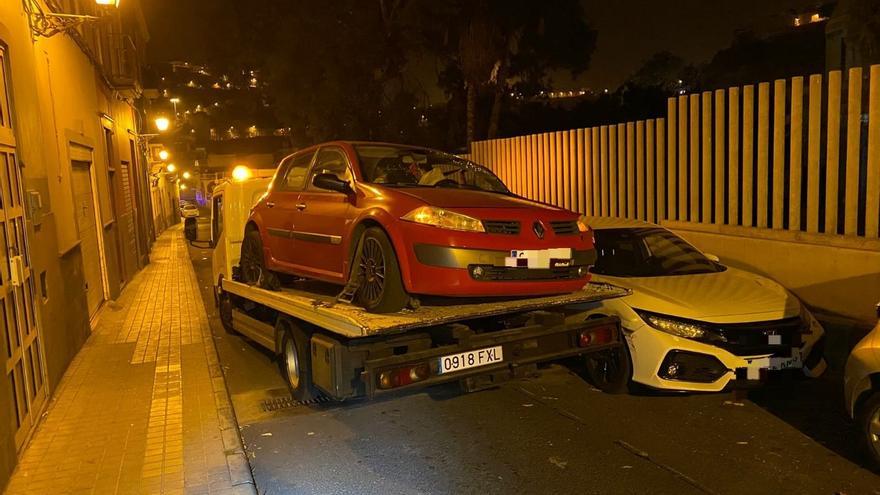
{"x":399,"y":377}
{"x":597,"y":336}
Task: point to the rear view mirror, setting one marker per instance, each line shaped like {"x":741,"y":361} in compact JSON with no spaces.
{"x":331,"y":182}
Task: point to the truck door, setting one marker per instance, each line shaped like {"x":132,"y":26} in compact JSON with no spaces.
{"x":281,"y":207}
{"x":323,"y":218}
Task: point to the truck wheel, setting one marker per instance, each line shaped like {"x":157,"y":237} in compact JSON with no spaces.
{"x":381,"y":289}
{"x":869,"y":423}
{"x":253,"y":263}
{"x":295,"y":360}
{"x":610,"y":371}
{"x":224,"y":309}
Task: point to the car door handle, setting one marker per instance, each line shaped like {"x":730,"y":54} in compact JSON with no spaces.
{"x":301,"y":206}
{"x":270,"y":204}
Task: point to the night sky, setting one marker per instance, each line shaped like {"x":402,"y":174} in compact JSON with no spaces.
{"x":629,"y":31}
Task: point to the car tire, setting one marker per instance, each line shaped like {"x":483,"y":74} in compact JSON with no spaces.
{"x":253,"y":263}
{"x":611,"y":370}
{"x":224,"y":311}
{"x":381,"y":289}
{"x":868,"y":420}
{"x":295,"y":360}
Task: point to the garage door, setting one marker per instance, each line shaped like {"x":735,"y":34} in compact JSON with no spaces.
{"x":84,"y":201}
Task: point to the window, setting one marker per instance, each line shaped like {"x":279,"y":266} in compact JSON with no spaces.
{"x":330,"y":161}
{"x":295,"y":175}
{"x":648,"y":252}
{"x":217,"y":218}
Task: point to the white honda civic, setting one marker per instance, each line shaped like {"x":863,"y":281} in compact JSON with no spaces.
{"x":692,"y":323}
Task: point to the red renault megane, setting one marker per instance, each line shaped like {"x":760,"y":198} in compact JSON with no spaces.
{"x":406,"y":220}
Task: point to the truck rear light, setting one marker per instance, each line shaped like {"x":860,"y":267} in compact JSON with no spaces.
{"x":399,"y":377}
{"x":596,"y":336}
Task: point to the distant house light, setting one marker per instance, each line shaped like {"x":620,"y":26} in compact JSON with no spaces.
{"x":797,"y":21}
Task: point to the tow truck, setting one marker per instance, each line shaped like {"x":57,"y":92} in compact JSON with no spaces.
{"x":328,"y":348}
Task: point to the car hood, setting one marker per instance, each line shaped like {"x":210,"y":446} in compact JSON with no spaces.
{"x":730,"y":296}
{"x":462,"y":198}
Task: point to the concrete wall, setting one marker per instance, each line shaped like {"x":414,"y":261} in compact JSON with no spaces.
{"x":834,"y":275}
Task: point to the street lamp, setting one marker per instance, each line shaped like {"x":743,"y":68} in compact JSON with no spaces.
{"x":183,"y":187}
{"x":171,"y":168}
{"x":162,"y":123}
{"x":241,"y":173}
{"x":174,"y":101}
{"x":187,"y":175}
{"x":47,"y":24}
{"x":163,"y":155}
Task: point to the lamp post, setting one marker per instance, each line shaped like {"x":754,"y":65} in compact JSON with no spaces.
{"x":48,"y":24}
{"x":174,"y":101}
{"x":162,"y":123}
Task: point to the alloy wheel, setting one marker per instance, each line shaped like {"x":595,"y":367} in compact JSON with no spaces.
{"x":372,"y":265}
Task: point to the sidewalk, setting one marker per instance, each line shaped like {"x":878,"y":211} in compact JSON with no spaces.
{"x":143,"y":407}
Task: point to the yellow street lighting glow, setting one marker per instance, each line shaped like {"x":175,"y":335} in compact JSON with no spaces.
{"x":163,"y":155}
{"x":186,"y":175}
{"x":114,"y":3}
{"x":162,"y":123}
{"x":241,"y":173}
{"x":171,"y":168}
{"x":174,"y":100}
{"x":183,"y":187}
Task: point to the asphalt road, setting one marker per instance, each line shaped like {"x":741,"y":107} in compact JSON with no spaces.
{"x":552,"y":433}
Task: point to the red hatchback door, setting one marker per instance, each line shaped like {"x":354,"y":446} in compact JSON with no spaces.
{"x":281,"y":207}
{"x":323,"y":218}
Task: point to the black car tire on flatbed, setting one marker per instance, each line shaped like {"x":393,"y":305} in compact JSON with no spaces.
{"x":253,"y":263}
{"x":381,"y":289}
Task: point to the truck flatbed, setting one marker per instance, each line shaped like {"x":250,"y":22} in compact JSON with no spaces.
{"x":352,"y":322}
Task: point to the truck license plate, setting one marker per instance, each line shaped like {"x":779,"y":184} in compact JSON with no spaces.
{"x":470,"y":359}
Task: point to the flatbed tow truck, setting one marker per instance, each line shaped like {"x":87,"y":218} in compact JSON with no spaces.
{"x":338,"y":350}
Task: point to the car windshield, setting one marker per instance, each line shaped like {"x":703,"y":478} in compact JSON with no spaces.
{"x":399,"y":166}
{"x":648,"y":252}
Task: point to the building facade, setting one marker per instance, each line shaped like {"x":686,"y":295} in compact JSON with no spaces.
{"x":75,"y":205}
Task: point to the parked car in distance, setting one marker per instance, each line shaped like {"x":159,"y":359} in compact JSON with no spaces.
{"x":189,"y":210}
{"x":692,"y":323}
{"x":427,"y":223}
{"x":861,"y":384}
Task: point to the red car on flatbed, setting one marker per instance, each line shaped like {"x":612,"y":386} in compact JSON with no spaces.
{"x":418,"y":222}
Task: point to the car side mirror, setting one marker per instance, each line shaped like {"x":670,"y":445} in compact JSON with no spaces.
{"x":332,"y":183}
{"x":191,"y":232}
{"x":712,"y":257}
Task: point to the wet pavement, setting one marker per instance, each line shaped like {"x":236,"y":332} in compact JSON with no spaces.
{"x":552,"y":433}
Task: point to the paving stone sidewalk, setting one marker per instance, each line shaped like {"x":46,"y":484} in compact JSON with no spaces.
{"x":143,"y":407}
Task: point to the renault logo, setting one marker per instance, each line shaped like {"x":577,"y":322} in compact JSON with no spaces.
{"x":538,"y":229}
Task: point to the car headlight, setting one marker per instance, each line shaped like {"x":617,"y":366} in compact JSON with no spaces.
{"x":582,"y":227}
{"x":444,"y":219}
{"x":682,"y":328}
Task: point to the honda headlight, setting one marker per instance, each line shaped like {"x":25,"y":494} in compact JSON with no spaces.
{"x":445,"y":219}
{"x":687,"y":329}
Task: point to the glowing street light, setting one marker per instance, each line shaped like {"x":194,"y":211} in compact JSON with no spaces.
{"x":110,"y":3}
{"x":174,"y":101}
{"x":171,"y":168}
{"x":163,"y":155}
{"x":183,"y":187}
{"x":162,"y":123}
{"x":187,"y":175}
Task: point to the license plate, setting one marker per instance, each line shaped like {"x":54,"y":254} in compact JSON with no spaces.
{"x":774,"y":364}
{"x":470,"y":359}
{"x":539,"y":258}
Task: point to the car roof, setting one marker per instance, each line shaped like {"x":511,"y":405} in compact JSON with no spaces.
{"x":602,"y":223}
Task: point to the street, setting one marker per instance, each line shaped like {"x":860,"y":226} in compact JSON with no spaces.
{"x":553,"y":433}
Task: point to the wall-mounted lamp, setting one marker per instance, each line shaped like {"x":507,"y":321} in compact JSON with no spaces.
{"x":47,"y":24}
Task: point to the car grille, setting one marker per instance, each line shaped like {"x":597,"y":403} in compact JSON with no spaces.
{"x":501,"y":273}
{"x":750,"y":339}
{"x":509,"y":227}
{"x":564,"y":227}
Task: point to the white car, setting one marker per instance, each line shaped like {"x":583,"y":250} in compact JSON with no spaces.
{"x":861,"y":385}
{"x":189,"y":211}
{"x":691,"y":323}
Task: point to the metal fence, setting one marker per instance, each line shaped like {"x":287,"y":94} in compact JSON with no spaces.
{"x":799,"y":154}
